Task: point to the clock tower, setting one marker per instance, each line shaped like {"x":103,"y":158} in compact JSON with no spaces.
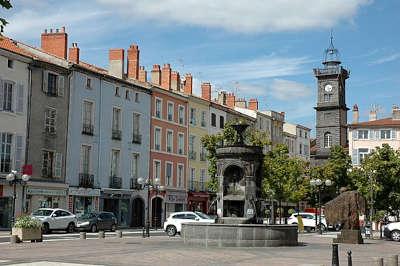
{"x":331,"y":109}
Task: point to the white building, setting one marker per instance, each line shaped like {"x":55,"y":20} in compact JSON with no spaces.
{"x":297,"y":138}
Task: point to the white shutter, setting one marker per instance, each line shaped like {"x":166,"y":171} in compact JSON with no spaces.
{"x":19,"y":152}
{"x":354,"y":157}
{"x":20,"y":99}
{"x":58,"y":165}
{"x":60,"y":86}
{"x":1,"y":95}
{"x":45,"y":78}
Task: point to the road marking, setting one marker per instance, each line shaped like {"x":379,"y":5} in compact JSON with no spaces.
{"x":50,"y":263}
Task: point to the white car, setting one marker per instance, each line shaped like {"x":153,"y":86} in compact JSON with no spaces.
{"x":55,"y":219}
{"x":392,"y":231}
{"x":308,"y":221}
{"x":173,"y":224}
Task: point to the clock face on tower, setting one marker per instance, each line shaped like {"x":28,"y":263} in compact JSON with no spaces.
{"x":328,"y":88}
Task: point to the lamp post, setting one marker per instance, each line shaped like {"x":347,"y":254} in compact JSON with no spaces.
{"x":319,"y":183}
{"x":371,"y":191}
{"x":13,"y":179}
{"x":147,"y":183}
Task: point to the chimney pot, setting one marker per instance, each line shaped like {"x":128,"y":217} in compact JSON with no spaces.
{"x":142,"y":74}
{"x":73,"y":54}
{"x":253,"y":104}
{"x":206,"y":91}
{"x":175,"y":81}
{"x":356,"y":114}
{"x":133,"y":61}
{"x":373,"y":115}
{"x":395,"y":112}
{"x":188,"y":84}
{"x":55,"y":43}
{"x":156,"y":75}
{"x":166,"y":77}
{"x":116,"y":62}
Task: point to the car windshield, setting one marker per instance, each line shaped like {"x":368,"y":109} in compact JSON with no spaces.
{"x":42,"y":213}
{"x":87,"y":215}
{"x":202,"y":215}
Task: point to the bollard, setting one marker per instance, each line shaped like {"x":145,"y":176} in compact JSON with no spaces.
{"x":349,"y":259}
{"x":119,"y":234}
{"x":82,"y":235}
{"x":393,"y":260}
{"x":378,"y":261}
{"x":101,"y":234}
{"x":335,"y":255}
{"x":14,"y":239}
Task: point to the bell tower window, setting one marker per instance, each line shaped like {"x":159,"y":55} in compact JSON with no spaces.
{"x":327,"y":140}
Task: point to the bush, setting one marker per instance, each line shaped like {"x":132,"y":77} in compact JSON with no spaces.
{"x":27,"y":222}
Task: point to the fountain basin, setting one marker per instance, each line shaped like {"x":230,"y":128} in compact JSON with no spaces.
{"x":239,"y":235}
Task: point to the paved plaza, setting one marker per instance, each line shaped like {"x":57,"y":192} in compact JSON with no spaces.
{"x":161,"y":250}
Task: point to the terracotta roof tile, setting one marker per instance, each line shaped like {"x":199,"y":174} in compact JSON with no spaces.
{"x":9,"y":45}
{"x":378,"y":123}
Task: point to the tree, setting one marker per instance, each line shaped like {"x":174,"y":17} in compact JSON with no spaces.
{"x":7,"y":5}
{"x":336,"y":169}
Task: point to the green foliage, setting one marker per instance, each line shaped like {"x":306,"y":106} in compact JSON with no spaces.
{"x":337,"y":167}
{"x":7,"y":5}
{"x":27,"y":222}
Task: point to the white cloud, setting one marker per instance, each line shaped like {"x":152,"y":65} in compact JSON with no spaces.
{"x":287,"y":90}
{"x":242,"y":15}
{"x":386,"y":59}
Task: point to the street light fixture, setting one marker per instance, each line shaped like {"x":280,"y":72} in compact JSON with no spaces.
{"x":13,"y":179}
{"x":319,"y":184}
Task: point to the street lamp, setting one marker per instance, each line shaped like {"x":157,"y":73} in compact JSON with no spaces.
{"x":319,"y":183}
{"x":13,"y":179}
{"x":371,"y":181}
{"x":147,"y":183}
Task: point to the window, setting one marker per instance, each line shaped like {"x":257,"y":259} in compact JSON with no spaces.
{"x":5,"y":152}
{"x":180,"y":175}
{"x":50,"y":120}
{"x":385,"y":134}
{"x":157,"y":169}
{"x":362,"y":154}
{"x":193,"y":116}
{"x":135,"y":165}
{"x":52,"y":84}
{"x":136,"y":138}
{"x":181,"y":143}
{"x":117,"y":91}
{"x":181,"y":114}
{"x":221,"y":122}
{"x":170,"y":111}
{"x":115,"y":163}
{"x":170,"y":138}
{"x":136,"y":97}
{"x":168,"y":174}
{"x":327,"y":140}
{"x":157,"y":139}
{"x":306,"y":150}
{"x":85,"y":159}
{"x":127,"y":95}
{"x":189,"y":216}
{"x":158,"y":108}
{"x":192,"y":140}
{"x":51,"y":164}
{"x":87,"y":118}
{"x":202,"y":178}
{"x":213,"y":120}
{"x":88,"y":83}
{"x":362,"y":134}
{"x":327,"y":97}
{"x":305,"y":134}
{"x":7,"y":96}
{"x":10,"y":63}
{"x":203,"y":119}
{"x":192,"y":178}
{"x":301,"y":148}
{"x":116,"y":122}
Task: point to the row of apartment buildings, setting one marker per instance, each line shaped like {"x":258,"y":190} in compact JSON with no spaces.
{"x":85,"y":134}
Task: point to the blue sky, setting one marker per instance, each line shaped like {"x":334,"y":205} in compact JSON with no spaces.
{"x":263,"y":49}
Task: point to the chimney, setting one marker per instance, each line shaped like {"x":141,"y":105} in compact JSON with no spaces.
{"x":395,"y":112}
{"x":156,"y":75}
{"x":73,"y":53}
{"x":373,"y":115}
{"x":188,"y":87}
{"x":133,"y":62}
{"x":166,"y":76}
{"x":116,"y":62}
{"x":206,"y":91}
{"x":142,"y":74}
{"x":55,"y":43}
{"x":230,"y":100}
{"x":221,"y":98}
{"x":253,"y":104}
{"x":175,"y":81}
{"x":241,"y":102}
{"x":356,"y":114}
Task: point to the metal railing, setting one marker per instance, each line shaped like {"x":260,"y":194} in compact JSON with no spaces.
{"x":87,"y":129}
{"x":134,"y":184}
{"x":116,"y":134}
{"x":197,"y":186}
{"x":192,"y":155}
{"x":115,"y":182}
{"x":86,"y":180}
{"x":137,"y":138}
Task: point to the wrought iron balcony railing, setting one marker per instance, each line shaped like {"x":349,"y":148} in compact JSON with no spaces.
{"x":115,"y":182}
{"x":86,"y":180}
{"x":116,"y":134}
{"x":134,"y":184}
{"x":197,"y":186}
{"x":87,"y":129}
{"x":137,"y":138}
{"x":192,"y":155}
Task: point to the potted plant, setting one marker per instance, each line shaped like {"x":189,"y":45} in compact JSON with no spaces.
{"x":27,"y":228}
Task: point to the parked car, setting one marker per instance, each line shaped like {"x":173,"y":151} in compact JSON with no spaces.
{"x":55,"y":219}
{"x":392,"y":231}
{"x":309,"y":221}
{"x":173,"y":224}
{"x":94,"y":221}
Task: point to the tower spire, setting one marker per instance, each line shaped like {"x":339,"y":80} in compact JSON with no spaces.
{"x":331,"y":55}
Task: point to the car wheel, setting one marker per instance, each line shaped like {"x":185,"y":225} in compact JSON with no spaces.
{"x":307,"y":228}
{"x":395,"y":235}
{"x":171,"y":230}
{"x":46,"y":228}
{"x":322,"y":226}
{"x":113,"y":227}
{"x":93,"y":228}
{"x":71,"y":228}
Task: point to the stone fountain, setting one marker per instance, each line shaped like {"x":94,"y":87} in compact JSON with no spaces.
{"x":239,"y":222}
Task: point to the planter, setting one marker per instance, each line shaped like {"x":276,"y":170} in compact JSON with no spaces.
{"x":26,"y":234}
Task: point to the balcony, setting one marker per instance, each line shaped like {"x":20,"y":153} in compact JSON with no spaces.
{"x":170,"y":117}
{"x":203,"y":156}
{"x":87,"y":129}
{"x":86,"y":180}
{"x":115,"y":182}
{"x":192,"y":155}
{"x":197,"y":186}
{"x":137,"y":138}
{"x":169,"y":149}
{"x":47,"y":172}
{"x":180,"y":151}
{"x":157,"y":147}
{"x":134,"y":184}
{"x":116,"y":134}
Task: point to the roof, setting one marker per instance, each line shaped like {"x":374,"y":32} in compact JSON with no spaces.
{"x":385,"y":122}
{"x":10,"y":45}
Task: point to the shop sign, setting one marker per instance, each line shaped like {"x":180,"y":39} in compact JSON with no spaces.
{"x":46,"y":192}
{"x":175,"y":197}
{"x":86,"y":192}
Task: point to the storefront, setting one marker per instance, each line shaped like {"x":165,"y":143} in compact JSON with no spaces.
{"x":175,"y":201}
{"x":5,"y":209}
{"x":39,"y":197}
{"x":198,"y":201}
{"x":83,"y":200}
{"x":117,"y":202}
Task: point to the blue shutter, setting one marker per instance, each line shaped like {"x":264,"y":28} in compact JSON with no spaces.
{"x":354,"y":157}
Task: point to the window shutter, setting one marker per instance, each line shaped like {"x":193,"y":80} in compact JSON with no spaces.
{"x":20,"y":98}
{"x":1,"y":95}
{"x":354,"y":157}
{"x":45,"y":78}
{"x":354,"y":134}
{"x":19,"y":152}
{"x":58,"y":165}
{"x":60,"y":86}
